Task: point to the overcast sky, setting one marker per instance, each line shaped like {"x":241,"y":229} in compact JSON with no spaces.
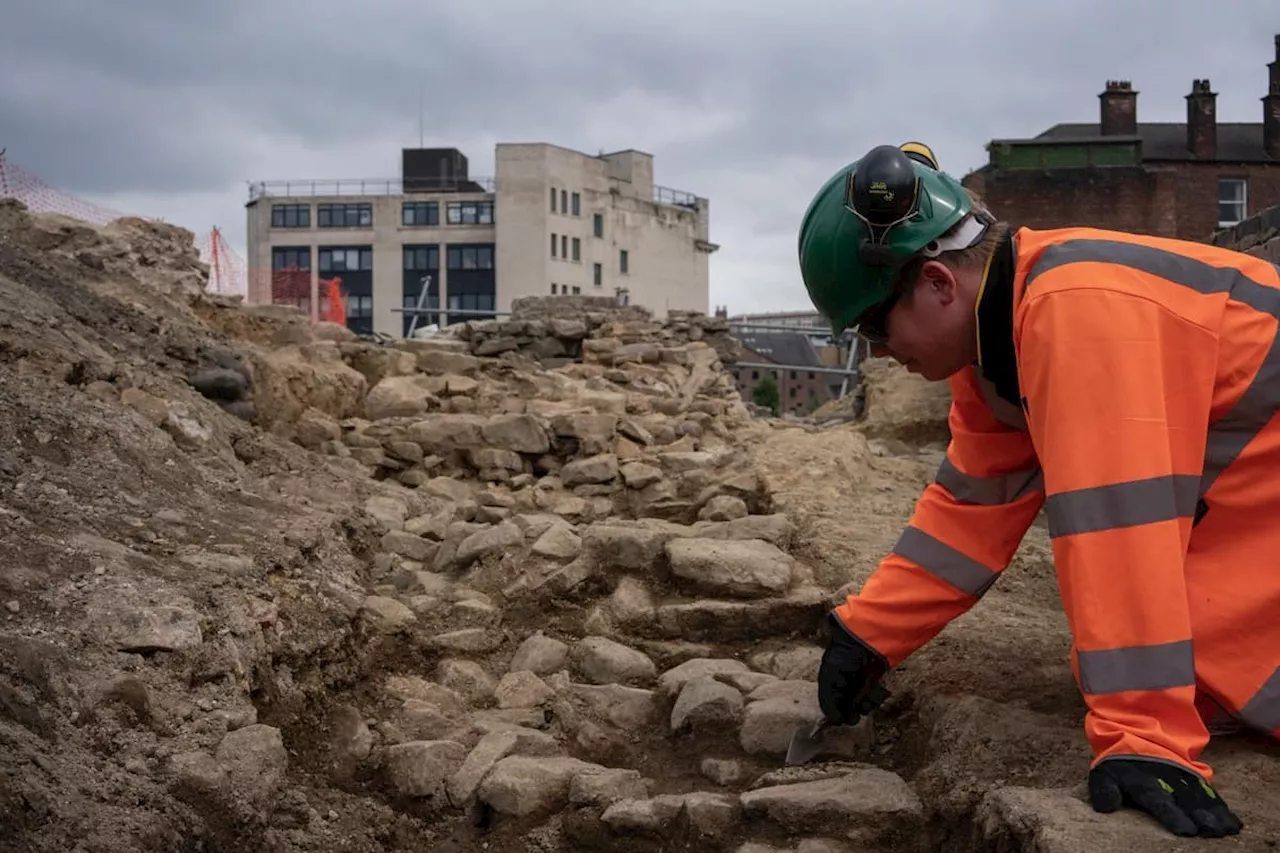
{"x":169,"y":107}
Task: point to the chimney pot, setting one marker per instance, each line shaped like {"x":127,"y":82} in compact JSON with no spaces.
{"x":1202,"y":121}
{"x":1118,"y":109}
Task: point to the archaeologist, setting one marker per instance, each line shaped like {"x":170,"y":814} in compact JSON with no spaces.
{"x":1125,"y":383}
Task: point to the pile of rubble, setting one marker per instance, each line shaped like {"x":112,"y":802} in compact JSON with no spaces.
{"x":556,"y":330}
{"x":275,"y":588}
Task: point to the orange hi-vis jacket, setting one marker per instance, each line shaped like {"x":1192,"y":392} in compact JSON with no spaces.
{"x":1128,"y":385}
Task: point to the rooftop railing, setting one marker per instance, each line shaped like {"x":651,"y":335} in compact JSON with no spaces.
{"x":391,"y":186}
{"x":366,"y":187}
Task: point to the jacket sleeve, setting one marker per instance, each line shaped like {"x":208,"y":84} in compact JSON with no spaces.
{"x":1119,"y":392}
{"x":964,"y":531}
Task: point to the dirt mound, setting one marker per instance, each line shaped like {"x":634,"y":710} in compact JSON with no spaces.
{"x":900,"y":406}
{"x":273,"y":588}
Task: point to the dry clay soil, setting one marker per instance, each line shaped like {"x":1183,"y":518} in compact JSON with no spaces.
{"x":209,"y":643}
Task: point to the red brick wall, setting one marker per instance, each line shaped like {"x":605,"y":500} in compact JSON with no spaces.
{"x":796,"y":396}
{"x":1169,"y":200}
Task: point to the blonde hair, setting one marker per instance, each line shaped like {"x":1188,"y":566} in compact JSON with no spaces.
{"x":974,"y":256}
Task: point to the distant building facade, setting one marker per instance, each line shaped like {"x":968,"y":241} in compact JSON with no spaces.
{"x":800,"y":390}
{"x":1182,"y":180}
{"x":551,"y":221}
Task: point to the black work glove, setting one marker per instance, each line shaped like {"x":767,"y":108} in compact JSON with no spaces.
{"x":1180,"y":800}
{"x":849,"y":676}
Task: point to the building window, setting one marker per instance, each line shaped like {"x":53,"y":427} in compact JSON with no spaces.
{"x":553,"y":199}
{"x":553,"y":245}
{"x":564,"y":201}
{"x":597,"y":274}
{"x":359,"y":312}
{"x":470,"y":213}
{"x":344,"y":215}
{"x":290,"y":216}
{"x":1232,"y":201}
{"x":597,"y":224}
{"x":418,"y":213}
{"x":577,"y":204}
{"x":576,"y":290}
{"x":421,"y":258}
{"x":623,"y":261}
{"x":479,"y":257}
{"x":337,"y":260}
{"x":577,"y":250}
{"x":553,"y":288}
{"x":564,"y":246}
{"x":291,"y":258}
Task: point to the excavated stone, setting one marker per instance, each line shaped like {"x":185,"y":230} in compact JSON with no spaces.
{"x":558,"y":542}
{"x":255,"y":761}
{"x":422,"y":769}
{"x":540,"y":654}
{"x":605,"y":661}
{"x":522,"y":689}
{"x":492,"y":540}
{"x":706,"y":704}
{"x":607,"y":787}
{"x":709,"y":814}
{"x":673,"y":680}
{"x":864,"y":798}
{"x":520,"y":785}
{"x":737,"y":568}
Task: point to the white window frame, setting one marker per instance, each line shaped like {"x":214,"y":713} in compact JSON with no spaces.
{"x":1242,"y":201}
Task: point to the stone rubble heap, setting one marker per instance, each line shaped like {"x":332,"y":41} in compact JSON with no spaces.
{"x":557,"y":329}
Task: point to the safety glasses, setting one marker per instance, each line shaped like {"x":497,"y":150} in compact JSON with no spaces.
{"x":872,"y":326}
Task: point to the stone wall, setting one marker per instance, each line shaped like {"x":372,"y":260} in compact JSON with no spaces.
{"x":1258,"y":235}
{"x":556,"y":330}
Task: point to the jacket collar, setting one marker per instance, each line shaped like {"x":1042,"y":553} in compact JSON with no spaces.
{"x":993,"y":316}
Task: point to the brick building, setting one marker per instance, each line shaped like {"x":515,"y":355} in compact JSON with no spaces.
{"x":800,"y":391}
{"x":1169,"y":179}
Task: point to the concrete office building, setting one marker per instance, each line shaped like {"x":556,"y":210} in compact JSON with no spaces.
{"x":552,"y":221}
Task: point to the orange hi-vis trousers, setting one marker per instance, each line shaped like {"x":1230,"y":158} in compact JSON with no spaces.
{"x":1149,"y":375}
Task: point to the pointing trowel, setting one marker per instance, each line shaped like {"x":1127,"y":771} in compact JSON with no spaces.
{"x":809,"y":740}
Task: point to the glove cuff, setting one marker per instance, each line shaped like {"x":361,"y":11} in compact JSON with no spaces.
{"x":841,"y":635}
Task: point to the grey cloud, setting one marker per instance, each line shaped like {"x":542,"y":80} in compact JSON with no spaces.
{"x":163,"y":99}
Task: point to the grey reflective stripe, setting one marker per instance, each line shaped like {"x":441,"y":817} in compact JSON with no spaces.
{"x":1231,"y":433}
{"x":1126,"y":504}
{"x":1229,"y":436}
{"x":988,"y":491}
{"x":1157,"y":667}
{"x":1005,"y":412}
{"x":944,"y":562}
{"x":1262,"y":711}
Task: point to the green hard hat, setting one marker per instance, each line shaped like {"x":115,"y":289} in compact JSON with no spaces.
{"x":869,"y":219}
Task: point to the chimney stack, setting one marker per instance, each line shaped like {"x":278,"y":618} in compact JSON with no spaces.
{"x":1202,"y":121}
{"x":1271,"y":107}
{"x":1119,"y":113}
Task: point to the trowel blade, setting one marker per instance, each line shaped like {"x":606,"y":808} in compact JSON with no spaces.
{"x":806,"y":743}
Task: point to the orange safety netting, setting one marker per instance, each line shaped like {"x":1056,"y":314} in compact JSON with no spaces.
{"x":228,"y":272}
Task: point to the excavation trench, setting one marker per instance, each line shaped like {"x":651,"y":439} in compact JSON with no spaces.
{"x":338,"y":782}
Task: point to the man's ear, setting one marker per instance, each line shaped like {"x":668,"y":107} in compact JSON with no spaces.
{"x":939,"y":280}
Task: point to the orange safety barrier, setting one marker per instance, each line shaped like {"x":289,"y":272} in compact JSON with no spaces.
{"x":292,"y":286}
